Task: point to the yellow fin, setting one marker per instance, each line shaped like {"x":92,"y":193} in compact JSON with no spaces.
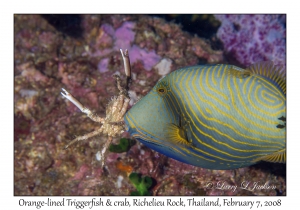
{"x":277,"y":157}
{"x":177,"y":135}
{"x":275,"y":74}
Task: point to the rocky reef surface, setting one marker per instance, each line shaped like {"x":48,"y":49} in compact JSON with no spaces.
{"x":81,"y":53}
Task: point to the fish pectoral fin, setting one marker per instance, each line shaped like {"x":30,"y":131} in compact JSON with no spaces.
{"x":177,"y":135}
{"x":277,"y":157}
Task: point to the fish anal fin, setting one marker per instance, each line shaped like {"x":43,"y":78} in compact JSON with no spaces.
{"x":277,"y":157}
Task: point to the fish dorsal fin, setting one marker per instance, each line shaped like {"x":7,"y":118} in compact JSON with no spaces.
{"x":239,"y":72}
{"x":277,"y":157}
{"x":267,"y":69}
{"x":176,"y":135}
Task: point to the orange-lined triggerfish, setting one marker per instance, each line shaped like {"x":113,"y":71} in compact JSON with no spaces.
{"x":215,"y":116}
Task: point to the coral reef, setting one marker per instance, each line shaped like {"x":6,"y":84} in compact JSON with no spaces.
{"x":47,"y":59}
{"x":253,"y":38}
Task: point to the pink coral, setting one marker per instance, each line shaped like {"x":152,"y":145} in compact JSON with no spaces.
{"x":103,"y":64}
{"x":123,"y":38}
{"x":148,"y":58}
{"x":254,"y":38}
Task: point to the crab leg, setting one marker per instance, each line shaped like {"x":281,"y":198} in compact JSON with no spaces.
{"x":82,"y":108}
{"x":84,"y":137}
{"x":127,"y":67}
{"x":104,"y":150}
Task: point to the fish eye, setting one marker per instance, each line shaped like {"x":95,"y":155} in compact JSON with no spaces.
{"x":162,"y":90}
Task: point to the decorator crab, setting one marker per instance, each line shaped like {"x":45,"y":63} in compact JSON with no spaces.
{"x":113,"y":123}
